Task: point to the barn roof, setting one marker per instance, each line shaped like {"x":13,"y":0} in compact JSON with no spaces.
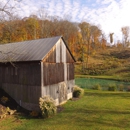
{"x":33,"y":50}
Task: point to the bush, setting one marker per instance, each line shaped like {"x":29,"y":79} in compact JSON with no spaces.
{"x":34,"y":114}
{"x":128,"y":88}
{"x":4,"y":99}
{"x":121,"y":87}
{"x":112,"y":87}
{"x":47,"y":106}
{"x":97,"y":87}
{"x":77,"y":91}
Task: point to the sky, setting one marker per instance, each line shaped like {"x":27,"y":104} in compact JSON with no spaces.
{"x":109,"y":15}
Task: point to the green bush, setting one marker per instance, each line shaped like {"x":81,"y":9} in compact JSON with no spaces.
{"x":121,"y":87}
{"x":97,"y":87}
{"x":47,"y":106}
{"x":112,"y":87}
{"x":77,"y":91}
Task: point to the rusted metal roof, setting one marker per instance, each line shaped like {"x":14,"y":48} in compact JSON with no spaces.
{"x":33,"y":50}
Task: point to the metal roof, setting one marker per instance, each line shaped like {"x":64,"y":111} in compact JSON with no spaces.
{"x":33,"y":50}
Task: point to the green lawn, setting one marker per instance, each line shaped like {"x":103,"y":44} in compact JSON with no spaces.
{"x":97,"y":110}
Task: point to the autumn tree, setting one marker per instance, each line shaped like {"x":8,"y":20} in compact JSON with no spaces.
{"x":86,"y":35}
{"x":96,"y":33}
{"x":103,"y":41}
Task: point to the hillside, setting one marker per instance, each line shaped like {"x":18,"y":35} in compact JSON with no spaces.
{"x":109,"y":62}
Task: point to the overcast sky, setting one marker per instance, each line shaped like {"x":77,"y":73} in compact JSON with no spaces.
{"x":110,"y":15}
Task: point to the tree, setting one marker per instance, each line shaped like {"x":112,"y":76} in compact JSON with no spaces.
{"x":125,"y":33}
{"x":7,"y":14}
{"x":86,"y":35}
{"x":95,"y":35}
{"x":111,"y":37}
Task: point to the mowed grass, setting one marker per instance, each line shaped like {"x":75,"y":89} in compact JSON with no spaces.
{"x":97,"y":110}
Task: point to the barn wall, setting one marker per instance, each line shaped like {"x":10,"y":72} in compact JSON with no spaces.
{"x":60,"y":92}
{"x":25,"y":95}
{"x":53,"y":73}
{"x":21,"y":73}
{"x":22,"y":82}
{"x":58,"y":73}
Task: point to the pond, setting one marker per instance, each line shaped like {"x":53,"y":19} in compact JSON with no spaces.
{"x":89,"y":83}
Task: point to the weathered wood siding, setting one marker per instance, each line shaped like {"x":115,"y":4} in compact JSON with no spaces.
{"x":70,"y":71}
{"x":60,"y":92}
{"x":22,"y":82}
{"x":25,"y":95}
{"x":21,"y":73}
{"x":59,"y":54}
{"x":53,"y":73}
{"x":58,"y":73}
{"x":51,"y":56}
{"x":0,"y":77}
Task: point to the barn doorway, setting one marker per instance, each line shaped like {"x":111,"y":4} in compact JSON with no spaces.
{"x":62,"y":93}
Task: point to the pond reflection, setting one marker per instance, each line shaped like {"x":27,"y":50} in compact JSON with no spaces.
{"x":89,"y":83}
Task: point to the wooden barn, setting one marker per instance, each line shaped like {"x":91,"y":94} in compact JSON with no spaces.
{"x":33,"y":69}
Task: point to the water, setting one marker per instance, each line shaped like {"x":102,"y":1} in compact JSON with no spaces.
{"x":90,"y":82}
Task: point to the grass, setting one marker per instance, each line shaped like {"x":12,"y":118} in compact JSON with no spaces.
{"x":89,"y":83}
{"x":110,"y":77}
{"x":97,"y":110}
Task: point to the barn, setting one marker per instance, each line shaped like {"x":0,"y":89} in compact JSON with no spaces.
{"x":36,"y":68}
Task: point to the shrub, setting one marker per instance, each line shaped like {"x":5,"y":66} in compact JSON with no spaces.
{"x":121,"y":87}
{"x":77,"y":91}
{"x":128,"y":88}
{"x":4,"y":111}
{"x":4,"y":99}
{"x":47,"y":106}
{"x":34,"y":114}
{"x":97,"y":87}
{"x":112,"y":87}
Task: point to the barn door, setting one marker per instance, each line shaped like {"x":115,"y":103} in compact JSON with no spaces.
{"x":62,"y":92}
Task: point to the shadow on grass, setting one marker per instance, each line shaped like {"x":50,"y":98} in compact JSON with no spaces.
{"x":105,"y":118}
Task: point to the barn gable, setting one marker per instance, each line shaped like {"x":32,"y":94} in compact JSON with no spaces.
{"x":60,"y":53}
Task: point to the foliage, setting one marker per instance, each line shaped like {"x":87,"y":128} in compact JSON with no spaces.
{"x":47,"y":106}
{"x":4,"y":99}
{"x":128,"y":89}
{"x":121,"y":87}
{"x":34,"y":114}
{"x":77,"y":91}
{"x":4,"y":111}
{"x":112,"y":87}
{"x":97,"y":87}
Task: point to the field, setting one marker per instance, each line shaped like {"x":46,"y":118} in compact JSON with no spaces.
{"x":97,"y":110}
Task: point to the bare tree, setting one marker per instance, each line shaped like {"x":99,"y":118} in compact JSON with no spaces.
{"x":125,"y":35}
{"x":111,"y":37}
{"x":6,"y":14}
